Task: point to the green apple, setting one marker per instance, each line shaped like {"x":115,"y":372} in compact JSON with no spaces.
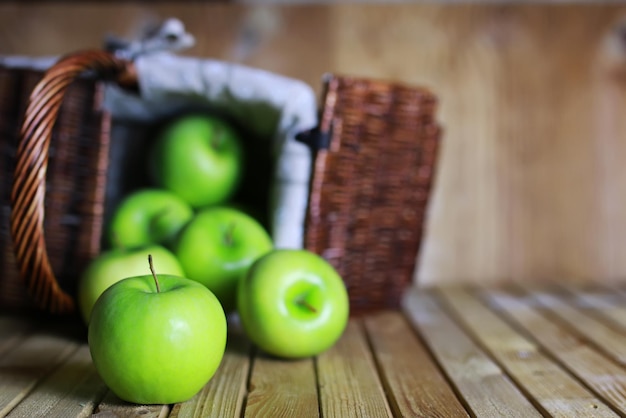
{"x":157,"y":339}
{"x":198,"y":157}
{"x":113,"y":265}
{"x":293,"y":303}
{"x":216,"y":248}
{"x":148,"y":216}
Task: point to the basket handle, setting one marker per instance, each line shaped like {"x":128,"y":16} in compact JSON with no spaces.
{"x":29,"y":182}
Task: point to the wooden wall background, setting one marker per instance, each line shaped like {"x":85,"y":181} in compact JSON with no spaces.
{"x":532,"y":177}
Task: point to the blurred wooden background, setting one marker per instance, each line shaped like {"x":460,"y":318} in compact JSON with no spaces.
{"x":532,"y":177}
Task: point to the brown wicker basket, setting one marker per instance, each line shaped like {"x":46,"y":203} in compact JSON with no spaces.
{"x":373,"y":172}
{"x":76,"y":175}
{"x":375,"y":153}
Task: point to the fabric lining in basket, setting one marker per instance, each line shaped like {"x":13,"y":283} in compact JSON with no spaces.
{"x":366,"y":192}
{"x":271,"y":107}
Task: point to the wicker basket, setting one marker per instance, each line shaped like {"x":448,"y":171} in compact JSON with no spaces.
{"x":375,"y":153}
{"x":371,"y":182}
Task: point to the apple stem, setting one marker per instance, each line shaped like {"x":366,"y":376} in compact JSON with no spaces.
{"x":218,"y":138}
{"x":306,"y":305}
{"x":228,"y":237}
{"x":156,"y":281}
{"x":115,"y":240}
{"x":158,"y":216}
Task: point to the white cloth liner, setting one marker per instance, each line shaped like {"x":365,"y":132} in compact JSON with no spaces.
{"x":268,"y":103}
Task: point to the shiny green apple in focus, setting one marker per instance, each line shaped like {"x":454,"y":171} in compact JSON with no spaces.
{"x":148,"y":216}
{"x":198,"y":157}
{"x":113,"y":265}
{"x":216,"y":248}
{"x":293,"y":303}
{"x":157,"y":343}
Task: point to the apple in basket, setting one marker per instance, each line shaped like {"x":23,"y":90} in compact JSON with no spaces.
{"x":293,"y":303}
{"x":200,"y":158}
{"x":216,"y":248}
{"x":113,"y":265}
{"x":157,"y":339}
{"x":148,"y":216}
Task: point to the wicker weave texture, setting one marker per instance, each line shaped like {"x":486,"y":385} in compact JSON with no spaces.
{"x":371,"y":186}
{"x":367,"y":206}
{"x":75,"y":177}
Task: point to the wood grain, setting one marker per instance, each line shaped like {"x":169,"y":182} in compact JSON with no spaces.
{"x":597,"y":371}
{"x":281,"y":388}
{"x":25,"y":364}
{"x":484,"y":352}
{"x":113,"y":407}
{"x":415,"y":385}
{"x":552,"y":388}
{"x":348,"y":382}
{"x":485,"y":388}
{"x":12,"y":330}
{"x":73,"y":390}
{"x":246,"y":34}
{"x":223,"y":395}
{"x":530,"y":184}
{"x":607,"y":303}
{"x":607,"y":338}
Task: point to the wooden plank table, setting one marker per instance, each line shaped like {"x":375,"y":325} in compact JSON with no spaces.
{"x":450,"y":352}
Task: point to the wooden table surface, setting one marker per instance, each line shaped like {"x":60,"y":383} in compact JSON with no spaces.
{"x":450,"y":352}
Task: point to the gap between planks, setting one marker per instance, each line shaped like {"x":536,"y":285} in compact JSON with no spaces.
{"x":496,"y":343}
{"x":454,"y":352}
{"x":379,"y":368}
{"x":560,"y":336}
{"x":482,"y":385}
{"x":577,"y":352}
